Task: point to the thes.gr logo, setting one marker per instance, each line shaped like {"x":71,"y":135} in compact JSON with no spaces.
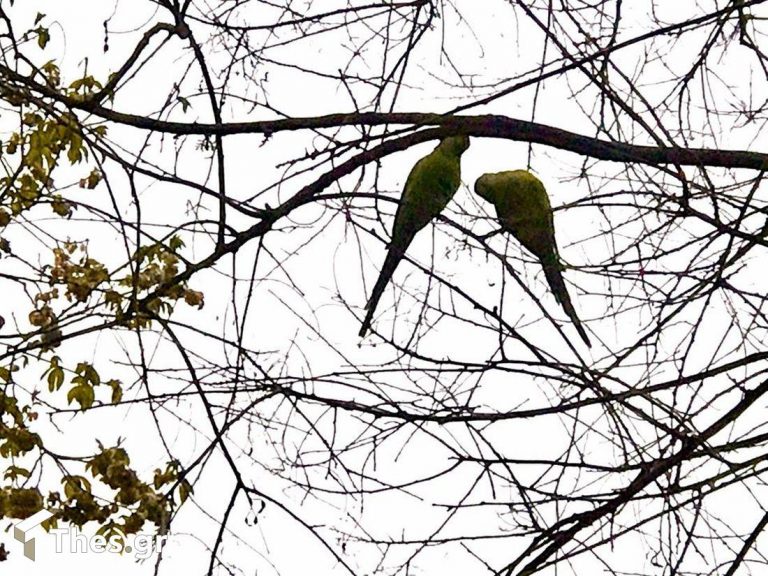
{"x":23,"y":531}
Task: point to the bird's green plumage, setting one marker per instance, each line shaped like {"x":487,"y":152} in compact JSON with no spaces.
{"x":523,"y":208}
{"x":431,"y":184}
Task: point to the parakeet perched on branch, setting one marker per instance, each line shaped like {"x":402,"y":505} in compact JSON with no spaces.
{"x":431,"y":184}
{"x":523,"y":209}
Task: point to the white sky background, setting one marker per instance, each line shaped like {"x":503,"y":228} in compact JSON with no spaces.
{"x":286,"y":321}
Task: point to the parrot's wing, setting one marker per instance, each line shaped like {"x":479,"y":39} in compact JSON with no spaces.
{"x":523,"y":208}
{"x":429,"y":187}
{"x":409,"y":219}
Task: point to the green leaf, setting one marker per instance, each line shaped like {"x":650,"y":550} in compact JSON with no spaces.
{"x":91,"y":375}
{"x":75,"y":151}
{"x":117,"y":390}
{"x":75,"y":484}
{"x":83,"y":394}
{"x":13,"y":472}
{"x":43,"y":36}
{"x":185,"y":489}
{"x":55,"y":378}
{"x":175,"y":243}
{"x":49,"y":523}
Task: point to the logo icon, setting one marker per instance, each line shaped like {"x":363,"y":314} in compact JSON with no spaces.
{"x":22,"y":531}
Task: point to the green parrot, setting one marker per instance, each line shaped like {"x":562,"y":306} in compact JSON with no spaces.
{"x":523,"y":209}
{"x":431,"y":184}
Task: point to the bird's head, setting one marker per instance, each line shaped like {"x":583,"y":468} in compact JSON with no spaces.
{"x":485,"y":189}
{"x":455,"y":144}
{"x":509,"y":186}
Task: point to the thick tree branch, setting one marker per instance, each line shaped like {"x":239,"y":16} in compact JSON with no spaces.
{"x":489,"y":126}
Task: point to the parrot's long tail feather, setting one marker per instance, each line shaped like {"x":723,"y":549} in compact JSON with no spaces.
{"x":554,"y":276}
{"x":394,"y":255}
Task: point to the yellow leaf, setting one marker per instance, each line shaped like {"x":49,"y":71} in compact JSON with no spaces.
{"x":185,"y":489}
{"x":83,"y":395}
{"x":43,"y":36}
{"x":55,"y":378}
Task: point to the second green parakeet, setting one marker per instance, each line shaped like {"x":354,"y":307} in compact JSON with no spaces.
{"x":431,"y":184}
{"x":523,"y":209}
